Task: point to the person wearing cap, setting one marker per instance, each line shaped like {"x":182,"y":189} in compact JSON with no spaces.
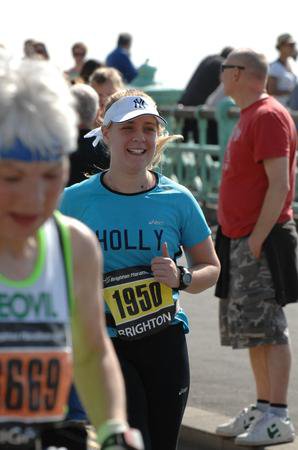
{"x":282,"y":76}
{"x":143,"y":221}
{"x":51,"y":314}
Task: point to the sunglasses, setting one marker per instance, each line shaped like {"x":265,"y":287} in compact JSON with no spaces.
{"x":231,"y":66}
{"x":78,"y":54}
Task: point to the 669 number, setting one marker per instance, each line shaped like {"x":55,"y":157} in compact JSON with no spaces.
{"x":32,"y":386}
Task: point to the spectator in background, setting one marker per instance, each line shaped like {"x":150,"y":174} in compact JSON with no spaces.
{"x":120,"y":58}
{"x":105,"y":81}
{"x":293,"y":103}
{"x":40,"y":50}
{"x":91,"y":102}
{"x":28,"y":48}
{"x":86,"y":158}
{"x":282,"y":77}
{"x":225,"y":124}
{"x":203,"y":82}
{"x":88,"y":68}
{"x":35,"y":49}
{"x":257,"y":245}
{"x":293,"y":100}
{"x":79,"y":52}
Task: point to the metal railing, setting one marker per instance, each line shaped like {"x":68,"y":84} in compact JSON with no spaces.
{"x":198,"y":165}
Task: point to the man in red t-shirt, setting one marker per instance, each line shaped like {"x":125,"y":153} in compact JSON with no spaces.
{"x":256,"y":193}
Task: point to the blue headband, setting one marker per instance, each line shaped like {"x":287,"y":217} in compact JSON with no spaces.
{"x":19,"y":151}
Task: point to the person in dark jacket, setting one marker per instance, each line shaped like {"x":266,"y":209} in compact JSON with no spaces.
{"x":87,"y":158}
{"x":203,"y":82}
{"x":120,"y":58}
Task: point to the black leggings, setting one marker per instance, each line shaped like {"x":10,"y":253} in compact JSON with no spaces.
{"x":156,"y":373}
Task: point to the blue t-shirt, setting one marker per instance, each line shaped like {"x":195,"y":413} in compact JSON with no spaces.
{"x":131,"y":228}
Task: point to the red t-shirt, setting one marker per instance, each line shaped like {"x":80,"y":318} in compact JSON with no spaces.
{"x":265,"y":130}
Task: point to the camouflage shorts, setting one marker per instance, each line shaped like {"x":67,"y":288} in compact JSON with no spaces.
{"x":250,"y":315}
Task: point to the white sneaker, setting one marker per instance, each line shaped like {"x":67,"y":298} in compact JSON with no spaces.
{"x":269,"y":430}
{"x":240,"y":423}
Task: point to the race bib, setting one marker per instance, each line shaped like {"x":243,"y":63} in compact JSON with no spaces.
{"x":34,"y":386}
{"x":139,"y":304}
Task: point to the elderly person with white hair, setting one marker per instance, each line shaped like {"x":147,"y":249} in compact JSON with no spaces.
{"x":51,"y":314}
{"x":86,"y":159}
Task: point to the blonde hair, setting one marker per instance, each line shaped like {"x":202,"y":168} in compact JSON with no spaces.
{"x":163,"y":137}
{"x":104,"y":74}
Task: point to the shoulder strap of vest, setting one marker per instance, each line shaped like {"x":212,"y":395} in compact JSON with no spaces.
{"x":65,"y":244}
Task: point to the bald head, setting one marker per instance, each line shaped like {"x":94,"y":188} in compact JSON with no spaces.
{"x":244,"y":75}
{"x":255,"y":64}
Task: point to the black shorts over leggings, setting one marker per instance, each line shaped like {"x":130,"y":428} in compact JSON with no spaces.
{"x":156,"y":373}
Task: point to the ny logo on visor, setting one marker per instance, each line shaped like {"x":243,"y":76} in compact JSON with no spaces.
{"x":140,"y":103}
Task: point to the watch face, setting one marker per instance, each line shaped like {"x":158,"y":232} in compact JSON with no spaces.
{"x":187,"y":277}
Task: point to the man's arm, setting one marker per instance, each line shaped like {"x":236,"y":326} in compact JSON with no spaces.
{"x":277,"y":171}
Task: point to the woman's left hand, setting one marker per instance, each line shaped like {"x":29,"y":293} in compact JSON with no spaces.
{"x":164,"y":268}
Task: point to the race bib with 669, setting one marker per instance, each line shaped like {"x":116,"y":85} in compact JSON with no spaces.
{"x":34,"y":385}
{"x":139,"y":304}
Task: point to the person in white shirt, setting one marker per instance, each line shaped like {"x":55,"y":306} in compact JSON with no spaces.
{"x":282,"y":72}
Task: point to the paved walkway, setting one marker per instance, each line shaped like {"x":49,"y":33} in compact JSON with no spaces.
{"x":198,"y":434}
{"x":221,"y":381}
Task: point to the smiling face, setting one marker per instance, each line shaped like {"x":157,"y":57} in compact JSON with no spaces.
{"x":132,"y":143}
{"x":29,"y":194}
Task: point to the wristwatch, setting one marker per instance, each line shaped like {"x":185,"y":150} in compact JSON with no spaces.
{"x":185,"y":278}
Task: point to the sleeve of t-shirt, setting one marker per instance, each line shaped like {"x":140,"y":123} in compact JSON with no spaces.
{"x":271,"y":137}
{"x":73,"y":202}
{"x":194,"y":226}
{"x":66,"y":206}
{"x":274,"y":70}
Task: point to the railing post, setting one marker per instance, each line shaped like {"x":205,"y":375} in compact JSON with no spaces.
{"x":225,"y":123}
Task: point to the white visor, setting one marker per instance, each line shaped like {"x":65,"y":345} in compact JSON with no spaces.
{"x":128,"y":108}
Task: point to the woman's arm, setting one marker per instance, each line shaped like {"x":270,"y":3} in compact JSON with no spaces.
{"x":204,"y":266}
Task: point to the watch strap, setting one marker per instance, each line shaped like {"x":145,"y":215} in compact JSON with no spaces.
{"x":182,"y":285}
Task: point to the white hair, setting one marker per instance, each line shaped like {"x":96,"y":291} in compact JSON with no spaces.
{"x":36,"y":106}
{"x":87,"y":103}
